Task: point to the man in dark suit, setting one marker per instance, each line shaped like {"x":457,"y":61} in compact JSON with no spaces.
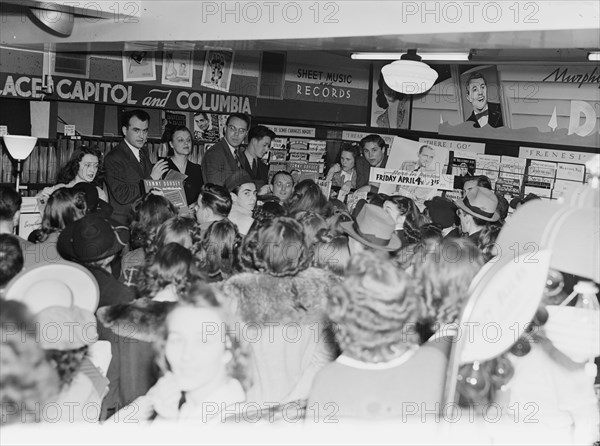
{"x":222,"y":160}
{"x":128,"y":164}
{"x":484,"y":112}
{"x":259,"y":143}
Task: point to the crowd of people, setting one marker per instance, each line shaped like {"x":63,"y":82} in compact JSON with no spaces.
{"x":269,"y":295}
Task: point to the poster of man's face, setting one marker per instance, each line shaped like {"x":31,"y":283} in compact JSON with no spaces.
{"x":481,"y":98}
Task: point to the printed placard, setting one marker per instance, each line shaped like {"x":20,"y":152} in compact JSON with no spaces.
{"x":69,"y":130}
{"x":3,"y":130}
{"x":573,"y":172}
{"x":282,"y":130}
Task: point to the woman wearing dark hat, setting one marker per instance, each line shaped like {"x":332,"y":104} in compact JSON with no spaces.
{"x":442,"y":212}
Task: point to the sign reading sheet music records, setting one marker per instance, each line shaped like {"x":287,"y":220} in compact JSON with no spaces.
{"x":171,"y":189}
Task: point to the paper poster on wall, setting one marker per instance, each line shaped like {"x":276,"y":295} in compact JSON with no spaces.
{"x":177,"y":68}
{"x":481,"y":96}
{"x":488,"y":165}
{"x":206,"y":127}
{"x":423,"y":166}
{"x":462,"y":166}
{"x":218,"y":68}
{"x":138,"y":65}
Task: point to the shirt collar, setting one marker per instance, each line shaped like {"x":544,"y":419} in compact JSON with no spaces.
{"x":135,"y":150}
{"x":355,"y":363}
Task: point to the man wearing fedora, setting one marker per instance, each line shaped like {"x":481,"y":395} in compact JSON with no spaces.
{"x":373,"y":229}
{"x":476,"y":210}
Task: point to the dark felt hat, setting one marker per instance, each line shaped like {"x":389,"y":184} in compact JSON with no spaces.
{"x":522,"y":200}
{"x":441,"y":211}
{"x":89,"y":239}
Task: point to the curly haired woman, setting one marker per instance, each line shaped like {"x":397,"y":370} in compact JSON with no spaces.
{"x":85,"y":165}
{"x":281,"y":301}
{"x":382,"y":372}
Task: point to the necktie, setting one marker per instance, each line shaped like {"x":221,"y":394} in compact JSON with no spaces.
{"x":481,"y":115}
{"x":143,"y":162}
{"x":254,"y":168}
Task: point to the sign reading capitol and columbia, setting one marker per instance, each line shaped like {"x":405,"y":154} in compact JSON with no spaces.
{"x":21,"y":86}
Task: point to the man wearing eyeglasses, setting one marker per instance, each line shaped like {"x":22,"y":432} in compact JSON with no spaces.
{"x":222,"y":160}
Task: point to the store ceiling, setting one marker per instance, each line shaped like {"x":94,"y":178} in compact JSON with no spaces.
{"x":530,"y":32}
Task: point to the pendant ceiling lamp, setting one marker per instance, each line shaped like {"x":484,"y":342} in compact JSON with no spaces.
{"x":409,"y":75}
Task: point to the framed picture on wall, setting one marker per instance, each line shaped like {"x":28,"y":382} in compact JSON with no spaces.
{"x":218,"y":67}
{"x":138,"y":65}
{"x":177,"y":68}
{"x":481,"y":96}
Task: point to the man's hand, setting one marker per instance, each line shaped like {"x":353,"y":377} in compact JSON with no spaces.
{"x":159,"y":169}
{"x":266,"y":189}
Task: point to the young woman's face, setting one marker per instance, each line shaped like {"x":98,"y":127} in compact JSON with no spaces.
{"x":88,"y":168}
{"x":181,"y":142}
{"x":195,"y":347}
{"x":347,"y":161}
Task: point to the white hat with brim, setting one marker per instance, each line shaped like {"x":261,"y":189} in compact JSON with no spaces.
{"x":64,"y":284}
{"x":481,"y":203}
{"x":373,"y":228}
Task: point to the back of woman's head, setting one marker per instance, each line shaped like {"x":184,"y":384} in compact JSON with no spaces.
{"x":171,"y":265}
{"x":218,"y":252}
{"x":179,"y":229}
{"x":335,"y":222}
{"x":276,"y":247}
{"x":63,"y":207}
{"x":150,"y":212}
{"x":313,"y":225}
{"x":269,"y":210}
{"x":309,"y":197}
{"x":487,"y":240}
{"x":414,"y":219}
{"x":216,"y":198}
{"x":442,"y":275}
{"x":375,"y":310}
{"x":332,"y":253}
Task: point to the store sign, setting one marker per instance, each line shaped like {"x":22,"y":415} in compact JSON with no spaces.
{"x":324,"y":84}
{"x":475,"y":147}
{"x":140,"y":95}
{"x":575,"y":76}
{"x":304,"y":132}
{"x":554,"y":155}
